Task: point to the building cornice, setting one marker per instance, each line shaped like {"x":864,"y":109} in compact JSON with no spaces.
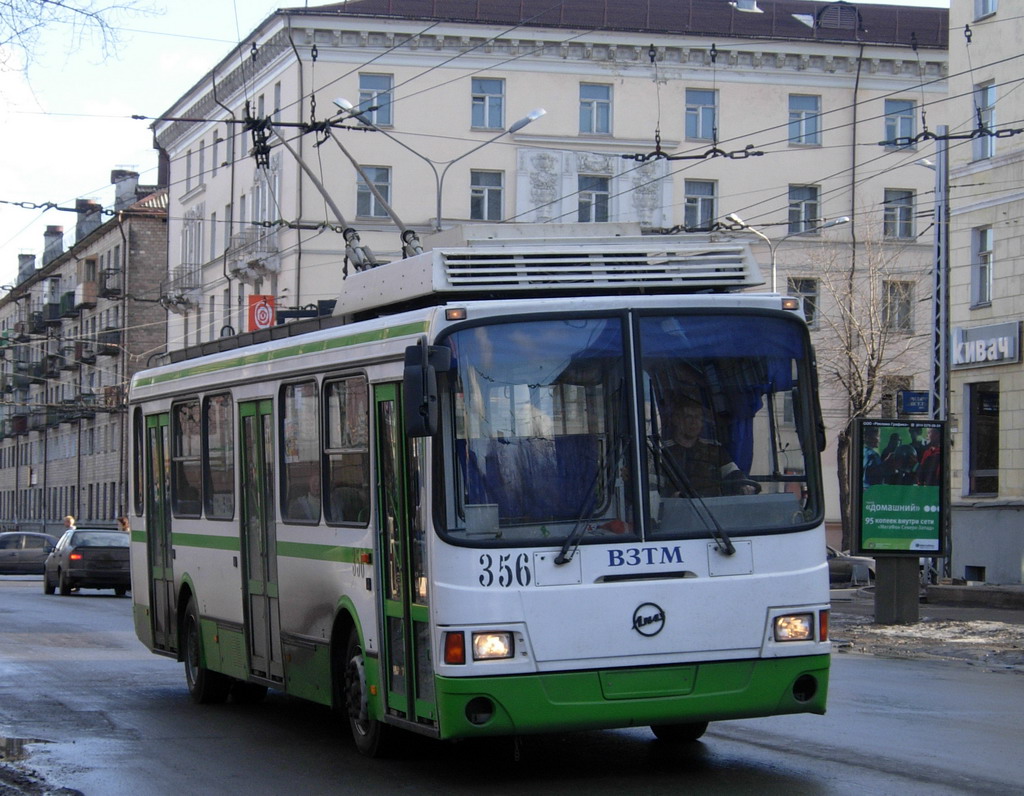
{"x":390,"y":43}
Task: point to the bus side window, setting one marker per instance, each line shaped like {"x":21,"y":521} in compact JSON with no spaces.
{"x":186,"y":472}
{"x":347,"y":450}
{"x":300,"y":452}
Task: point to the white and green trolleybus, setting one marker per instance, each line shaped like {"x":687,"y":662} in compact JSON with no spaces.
{"x":461,"y":506}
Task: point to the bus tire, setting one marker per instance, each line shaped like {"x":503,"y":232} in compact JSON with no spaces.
{"x":204,"y":686}
{"x":679,"y":733}
{"x":370,"y":736}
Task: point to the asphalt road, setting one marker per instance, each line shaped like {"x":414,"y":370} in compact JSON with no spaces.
{"x":84,"y":706}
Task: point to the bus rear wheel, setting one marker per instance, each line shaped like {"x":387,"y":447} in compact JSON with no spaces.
{"x":204,"y":686}
{"x":371,"y":736}
{"x":679,"y":733}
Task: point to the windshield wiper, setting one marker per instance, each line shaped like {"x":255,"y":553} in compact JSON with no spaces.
{"x":682,"y":484}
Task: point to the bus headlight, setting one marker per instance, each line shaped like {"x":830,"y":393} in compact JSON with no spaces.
{"x":794,"y":627}
{"x":492,"y":645}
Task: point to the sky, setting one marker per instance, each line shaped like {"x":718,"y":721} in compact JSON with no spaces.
{"x":65,"y":122}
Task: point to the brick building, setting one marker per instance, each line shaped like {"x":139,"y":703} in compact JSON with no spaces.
{"x":72,"y":332}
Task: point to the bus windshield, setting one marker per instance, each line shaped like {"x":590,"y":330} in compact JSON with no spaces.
{"x":630,"y":426}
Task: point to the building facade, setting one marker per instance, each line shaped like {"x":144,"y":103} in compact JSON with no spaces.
{"x":676,"y":114}
{"x":986,"y":245}
{"x":72,"y":332}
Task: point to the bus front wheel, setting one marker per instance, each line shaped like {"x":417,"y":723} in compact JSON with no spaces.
{"x":679,"y":733}
{"x":204,"y":686}
{"x":370,"y":735}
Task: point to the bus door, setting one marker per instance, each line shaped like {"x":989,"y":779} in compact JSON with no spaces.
{"x":405,"y":634}
{"x":158,"y":533}
{"x":259,"y":539}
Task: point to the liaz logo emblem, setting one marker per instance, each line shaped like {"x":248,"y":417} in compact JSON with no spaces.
{"x":648,"y":619}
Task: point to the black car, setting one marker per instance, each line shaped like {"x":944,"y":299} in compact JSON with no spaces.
{"x":854,"y":570}
{"x":90,"y":558}
{"x":23,"y":552}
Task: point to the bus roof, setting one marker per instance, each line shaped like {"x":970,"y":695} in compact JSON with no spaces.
{"x":506,"y":261}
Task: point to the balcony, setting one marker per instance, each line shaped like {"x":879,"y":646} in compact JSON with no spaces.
{"x":51,"y":314}
{"x":253,"y":254}
{"x":35,"y":321}
{"x":85,"y":353}
{"x":37,"y":372}
{"x":110,"y":283}
{"x":54,"y":365}
{"x":183,"y":292}
{"x":70,"y":358}
{"x":85,"y":296}
{"x":67,"y":305}
{"x":109,"y":342}
{"x":19,"y":423}
{"x":113,"y":398}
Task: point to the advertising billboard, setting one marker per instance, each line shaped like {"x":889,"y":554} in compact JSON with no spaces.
{"x":897,"y":487}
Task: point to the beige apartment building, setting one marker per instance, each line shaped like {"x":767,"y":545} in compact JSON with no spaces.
{"x":986,"y":244}
{"x":758,"y":120}
{"x":73,"y":329}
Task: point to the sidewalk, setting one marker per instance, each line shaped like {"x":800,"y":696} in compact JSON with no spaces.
{"x":956,"y":629}
{"x":950,"y":603}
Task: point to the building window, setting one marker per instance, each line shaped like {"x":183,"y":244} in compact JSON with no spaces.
{"x":985,"y":103}
{"x":701,"y":121}
{"x":188,"y":171}
{"x":805,"y":119}
{"x":366,"y":203}
{"x":899,"y":122}
{"x":488,"y":103}
{"x":803,"y":208}
{"x":981,"y":268}
{"x":897,"y":309}
{"x":898,"y":214}
{"x":983,"y":439}
{"x":595,"y":108}
{"x":983,"y":8}
{"x":807,"y":290}
{"x":485,"y":195}
{"x":375,"y":99}
{"x":593,"y":198}
{"x":699,"y":211}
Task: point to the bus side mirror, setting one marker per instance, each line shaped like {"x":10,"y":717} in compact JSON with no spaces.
{"x":419,"y":387}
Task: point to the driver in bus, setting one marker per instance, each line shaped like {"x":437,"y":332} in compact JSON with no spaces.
{"x":703,"y":465}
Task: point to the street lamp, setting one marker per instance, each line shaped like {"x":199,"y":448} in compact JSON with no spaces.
{"x":439,"y":176}
{"x":773,"y":245}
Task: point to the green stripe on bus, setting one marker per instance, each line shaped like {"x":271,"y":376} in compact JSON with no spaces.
{"x":321,"y":552}
{"x":311,"y":347}
{"x":316,"y":552}
{"x":202,"y":540}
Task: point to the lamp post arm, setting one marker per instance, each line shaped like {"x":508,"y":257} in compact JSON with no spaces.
{"x":449,"y":164}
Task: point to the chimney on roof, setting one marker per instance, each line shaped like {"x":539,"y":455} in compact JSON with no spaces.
{"x":53,"y":244}
{"x":126,"y":184}
{"x":26,"y":266}
{"x":89,"y":218}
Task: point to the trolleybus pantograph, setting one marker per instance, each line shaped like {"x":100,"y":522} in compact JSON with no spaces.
{"x":510,"y":487}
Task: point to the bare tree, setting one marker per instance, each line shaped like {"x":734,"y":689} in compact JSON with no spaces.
{"x":22,"y":22}
{"x":874,"y":336}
